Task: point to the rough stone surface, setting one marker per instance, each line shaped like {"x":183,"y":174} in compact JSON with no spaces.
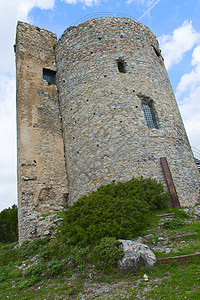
{"x":42,"y":179}
{"x":195,"y":211}
{"x":94,"y":130}
{"x":135,"y":254}
{"x":105,"y":131}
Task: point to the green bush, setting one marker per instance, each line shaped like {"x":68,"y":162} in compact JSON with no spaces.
{"x":28,"y":249}
{"x":55,"y":248}
{"x":35,"y":270}
{"x":55,"y":267}
{"x":173,"y":223}
{"x":8,"y":253}
{"x":106,"y":254}
{"x":121,"y":210}
{"x":79,"y":255}
{"x":9,"y":225}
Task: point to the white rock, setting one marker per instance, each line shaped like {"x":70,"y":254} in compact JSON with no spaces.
{"x":145,"y":277}
{"x":135,"y":254}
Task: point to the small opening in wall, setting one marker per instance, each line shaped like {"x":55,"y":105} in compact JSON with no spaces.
{"x":49,"y":76}
{"x":99,"y":38}
{"x":121,"y":66}
{"x":91,"y":52}
{"x":157,"y":51}
{"x":97,"y":145}
{"x":113,"y":181}
{"x":34,"y":161}
{"x":66,"y":198}
{"x":105,"y":75}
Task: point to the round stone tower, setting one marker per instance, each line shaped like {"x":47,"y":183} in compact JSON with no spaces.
{"x":118,"y":109}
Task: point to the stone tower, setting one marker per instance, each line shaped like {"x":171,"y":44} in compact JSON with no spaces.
{"x":95,"y":107}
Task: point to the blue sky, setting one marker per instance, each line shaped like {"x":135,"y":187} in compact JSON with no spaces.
{"x":175,"y":23}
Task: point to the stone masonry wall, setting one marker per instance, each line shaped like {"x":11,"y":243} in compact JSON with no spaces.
{"x":90,"y":128}
{"x":42,"y":180}
{"x":105,"y":131}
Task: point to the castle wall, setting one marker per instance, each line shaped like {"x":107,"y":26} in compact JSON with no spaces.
{"x":111,"y":116}
{"x":42,"y":180}
{"x":106,"y":135}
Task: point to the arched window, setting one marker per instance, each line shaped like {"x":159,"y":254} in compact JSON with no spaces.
{"x":150,"y":114}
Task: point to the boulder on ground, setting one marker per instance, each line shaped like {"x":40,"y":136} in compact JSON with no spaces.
{"x":135,"y":254}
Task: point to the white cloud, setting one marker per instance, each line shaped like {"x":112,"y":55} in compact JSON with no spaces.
{"x":187,"y":92}
{"x":8,"y":142}
{"x":85,"y":2}
{"x":10,"y":13}
{"x":191,"y":80}
{"x":190,"y":111}
{"x":176,"y":45}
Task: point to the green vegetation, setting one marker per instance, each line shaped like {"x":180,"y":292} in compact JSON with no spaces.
{"x":106,"y":254}
{"x":121,"y":210}
{"x":39,"y":278}
{"x":80,"y":261}
{"x":8,"y":225}
{"x":173,"y":223}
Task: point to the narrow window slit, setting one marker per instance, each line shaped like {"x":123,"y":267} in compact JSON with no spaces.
{"x":121,"y":66}
{"x":157,"y":51}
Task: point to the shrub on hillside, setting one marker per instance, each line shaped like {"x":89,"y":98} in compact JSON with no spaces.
{"x":9,"y":225}
{"x":173,"y":223}
{"x":119,"y":210}
{"x":28,"y":249}
{"x":106,"y":254}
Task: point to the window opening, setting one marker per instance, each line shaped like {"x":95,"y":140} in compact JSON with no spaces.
{"x":49,"y":76}
{"x":150,"y":114}
{"x":121,"y":66}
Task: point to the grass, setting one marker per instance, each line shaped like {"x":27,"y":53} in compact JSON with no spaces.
{"x":25,"y":273}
